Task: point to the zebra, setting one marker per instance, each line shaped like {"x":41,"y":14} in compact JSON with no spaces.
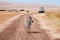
{"x":29,"y":22}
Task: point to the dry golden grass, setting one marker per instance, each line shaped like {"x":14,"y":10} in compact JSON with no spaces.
{"x":55,"y":15}
{"x":56,"y":18}
{"x":6,"y":15}
{"x":50,"y":20}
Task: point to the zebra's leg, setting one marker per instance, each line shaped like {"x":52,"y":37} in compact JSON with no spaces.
{"x":29,"y":28}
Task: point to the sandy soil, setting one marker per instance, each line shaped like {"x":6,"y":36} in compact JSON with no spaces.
{"x":16,"y":30}
{"x":44,"y":27}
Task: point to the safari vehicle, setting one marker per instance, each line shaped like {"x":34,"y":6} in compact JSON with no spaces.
{"x":42,"y":10}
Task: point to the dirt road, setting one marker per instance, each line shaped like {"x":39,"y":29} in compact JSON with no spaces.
{"x":17,"y":30}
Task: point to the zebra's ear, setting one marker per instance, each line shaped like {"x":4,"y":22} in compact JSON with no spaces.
{"x":32,"y":21}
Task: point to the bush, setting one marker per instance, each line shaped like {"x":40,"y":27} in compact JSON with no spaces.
{"x":27,"y":11}
{"x":22,"y":10}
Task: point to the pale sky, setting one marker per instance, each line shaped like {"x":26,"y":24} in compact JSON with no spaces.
{"x":52,"y":2}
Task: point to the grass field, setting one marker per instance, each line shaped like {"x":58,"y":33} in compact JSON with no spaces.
{"x":6,"y":15}
{"x":48,"y":20}
{"x":55,"y":15}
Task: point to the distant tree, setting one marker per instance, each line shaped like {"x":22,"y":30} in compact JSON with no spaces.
{"x":2,"y":9}
{"x":27,"y":11}
{"x":22,"y":10}
{"x":42,"y":10}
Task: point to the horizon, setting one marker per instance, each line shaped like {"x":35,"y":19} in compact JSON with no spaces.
{"x":49,"y":2}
